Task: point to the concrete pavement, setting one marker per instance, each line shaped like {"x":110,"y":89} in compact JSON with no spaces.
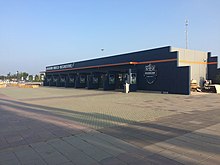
{"x":34,"y":133}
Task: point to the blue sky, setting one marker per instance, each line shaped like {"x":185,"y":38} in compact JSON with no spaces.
{"x":37,"y":33}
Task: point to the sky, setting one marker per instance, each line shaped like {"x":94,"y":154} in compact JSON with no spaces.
{"x":38,"y":33}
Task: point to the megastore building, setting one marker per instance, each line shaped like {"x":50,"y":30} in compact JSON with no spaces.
{"x":164,"y":69}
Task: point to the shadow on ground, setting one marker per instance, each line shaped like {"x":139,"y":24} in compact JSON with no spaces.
{"x":23,"y":123}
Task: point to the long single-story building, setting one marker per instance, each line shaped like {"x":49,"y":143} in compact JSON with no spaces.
{"x":164,"y":69}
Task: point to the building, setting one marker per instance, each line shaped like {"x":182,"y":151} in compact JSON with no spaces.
{"x":164,"y":69}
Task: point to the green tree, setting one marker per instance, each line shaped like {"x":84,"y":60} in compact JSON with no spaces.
{"x":25,"y":75}
{"x":11,"y":76}
{"x":22,"y":74}
{"x":37,"y":78}
{"x":19,"y":75}
{"x":8,"y":75}
{"x":2,"y":77}
{"x":30,"y":77}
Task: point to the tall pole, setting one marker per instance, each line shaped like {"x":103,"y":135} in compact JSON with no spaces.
{"x":17,"y":75}
{"x":186,"y":24}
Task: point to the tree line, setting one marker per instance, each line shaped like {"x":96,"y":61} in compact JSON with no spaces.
{"x":20,"y":76}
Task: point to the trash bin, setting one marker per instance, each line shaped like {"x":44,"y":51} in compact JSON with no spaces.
{"x":126,"y":87}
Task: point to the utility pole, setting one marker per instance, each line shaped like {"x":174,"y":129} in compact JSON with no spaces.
{"x":186,"y":25}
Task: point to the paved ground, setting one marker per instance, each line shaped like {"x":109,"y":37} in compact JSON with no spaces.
{"x":69,"y":126}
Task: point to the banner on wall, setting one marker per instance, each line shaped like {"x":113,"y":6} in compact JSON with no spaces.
{"x":150,"y":73}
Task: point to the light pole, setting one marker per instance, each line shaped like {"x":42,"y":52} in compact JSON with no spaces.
{"x":102,"y":50}
{"x":186,"y":24}
{"x":17,"y":75}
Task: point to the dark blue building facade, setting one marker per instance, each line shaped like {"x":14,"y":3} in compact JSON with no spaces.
{"x":152,"y":70}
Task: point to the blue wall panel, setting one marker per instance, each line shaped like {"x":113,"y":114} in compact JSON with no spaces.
{"x":181,"y":81}
{"x":153,"y":74}
{"x":169,"y":79}
{"x":154,"y":54}
{"x":212,"y":68}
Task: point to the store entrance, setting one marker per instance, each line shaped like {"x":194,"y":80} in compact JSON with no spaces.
{"x":121,"y":79}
